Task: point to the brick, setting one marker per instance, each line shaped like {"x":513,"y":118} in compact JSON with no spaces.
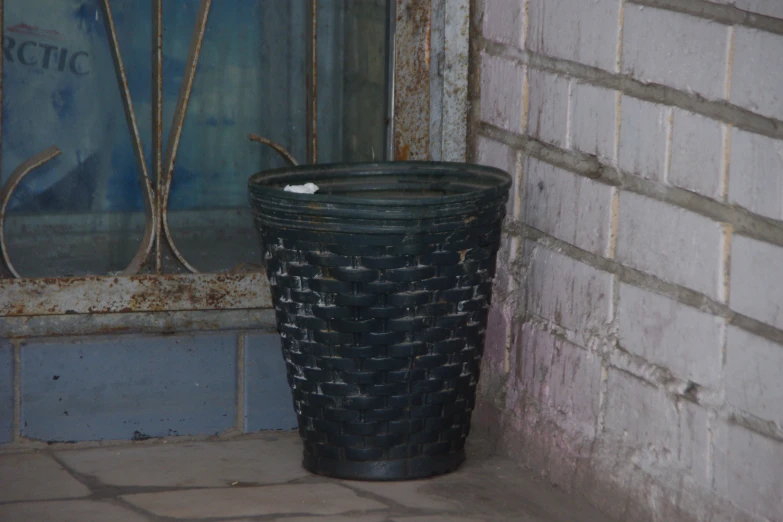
{"x":68,"y":511}
{"x":584,"y":32}
{"x":268,"y":401}
{"x":756,"y":173}
{"x":749,"y":470}
{"x":574,"y":295}
{"x":689,"y":53}
{"x":501,"y":92}
{"x":547,"y":107}
{"x":756,"y":285}
{"x":671,"y":243}
{"x":496,"y":339}
{"x":6,"y":392}
{"x":696,"y":153}
{"x":36,"y":477}
{"x":562,"y":377}
{"x":504,"y":21}
{"x":753,"y":381}
{"x":312,"y":499}
{"x":643,"y":134}
{"x":669,"y":334}
{"x":567,"y":206}
{"x":757,"y":71}
{"x":593,"y":120}
{"x":128,"y":386}
{"x":503,"y":157}
{"x":199,"y":464}
{"x":645,"y":419}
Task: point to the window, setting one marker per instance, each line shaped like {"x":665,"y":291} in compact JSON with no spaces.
{"x":310,"y":76}
{"x":328,"y":80}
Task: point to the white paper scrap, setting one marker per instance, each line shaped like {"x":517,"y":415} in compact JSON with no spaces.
{"x":307,"y":188}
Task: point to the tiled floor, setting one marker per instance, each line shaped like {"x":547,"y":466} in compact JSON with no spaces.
{"x":258,"y":478}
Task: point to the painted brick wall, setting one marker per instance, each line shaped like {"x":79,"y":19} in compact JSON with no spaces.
{"x":635,"y":349}
{"x":134,"y":386}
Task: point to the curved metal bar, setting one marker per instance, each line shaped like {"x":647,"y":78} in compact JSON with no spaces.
{"x":179,"y":119}
{"x":8,"y":189}
{"x":157,"y":121}
{"x":287,"y":156}
{"x":151,"y":221}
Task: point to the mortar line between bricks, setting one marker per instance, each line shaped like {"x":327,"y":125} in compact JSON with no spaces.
{"x":17,"y":420}
{"x":649,"y":282}
{"x":618,"y":62}
{"x":661,"y":378}
{"x":744,"y":222}
{"x":240,"y":422}
{"x":729,"y":63}
{"x":474,"y":78}
{"x":667,"y":160}
{"x":765,"y":428}
{"x":718,"y":110}
{"x":725,"y":14}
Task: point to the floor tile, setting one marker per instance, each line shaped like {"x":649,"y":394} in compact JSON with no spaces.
{"x":408,"y":494}
{"x":29,"y":476}
{"x":304,"y":499}
{"x":68,"y":511}
{"x":205,"y":464}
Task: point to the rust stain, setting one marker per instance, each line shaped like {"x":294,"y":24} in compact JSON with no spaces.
{"x":403,"y":152}
{"x":145,"y":293}
{"x":411,"y":86}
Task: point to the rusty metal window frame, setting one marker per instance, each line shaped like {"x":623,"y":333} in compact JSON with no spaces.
{"x":426,"y":109}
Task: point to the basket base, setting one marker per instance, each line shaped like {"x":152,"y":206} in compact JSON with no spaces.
{"x":380,"y":470}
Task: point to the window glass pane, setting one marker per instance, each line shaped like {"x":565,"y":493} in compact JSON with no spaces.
{"x":83,"y":213}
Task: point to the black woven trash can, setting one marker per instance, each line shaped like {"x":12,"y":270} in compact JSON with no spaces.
{"x":381,"y":283}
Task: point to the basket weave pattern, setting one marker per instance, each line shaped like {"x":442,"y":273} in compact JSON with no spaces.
{"x":382,"y":342}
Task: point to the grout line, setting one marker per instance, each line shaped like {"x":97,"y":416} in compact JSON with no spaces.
{"x":744,"y":222}
{"x":620,"y":25}
{"x":725,"y":14}
{"x":509,"y":342}
{"x":614,"y":223}
{"x":17,"y":422}
{"x":525,"y":99}
{"x":241,"y":420}
{"x":724,"y":343}
{"x":667,"y":159}
{"x":519,"y":194}
{"x":729,"y":62}
{"x":710,"y":460}
{"x":648,"y":282}
{"x":474,"y":78}
{"x":603,"y":392}
{"x":615,"y":208}
{"x":618,"y":118}
{"x":725,"y":166}
{"x":725,"y":264}
{"x":569,"y":114}
{"x":717,"y":110}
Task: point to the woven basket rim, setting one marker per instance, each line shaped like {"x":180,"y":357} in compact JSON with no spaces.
{"x":481,"y":181}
